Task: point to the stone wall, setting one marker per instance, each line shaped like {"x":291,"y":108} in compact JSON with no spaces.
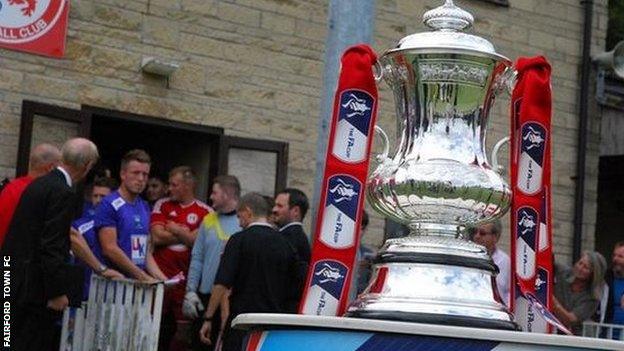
{"x":254,"y":67}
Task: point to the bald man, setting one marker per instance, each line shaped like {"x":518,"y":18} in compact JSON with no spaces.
{"x":38,"y":244}
{"x":43,"y":158}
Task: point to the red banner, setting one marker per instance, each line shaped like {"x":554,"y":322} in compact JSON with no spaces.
{"x":35,"y":26}
{"x":531,"y":228}
{"x":338,"y":217}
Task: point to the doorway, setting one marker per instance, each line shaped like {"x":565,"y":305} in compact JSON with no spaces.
{"x":169,"y":144}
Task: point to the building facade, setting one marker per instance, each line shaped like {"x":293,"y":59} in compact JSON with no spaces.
{"x":246,"y":97}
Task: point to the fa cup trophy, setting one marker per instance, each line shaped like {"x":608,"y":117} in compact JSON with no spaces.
{"x":438,"y":180}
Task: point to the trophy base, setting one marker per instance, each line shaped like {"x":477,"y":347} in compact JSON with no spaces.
{"x":433,"y":279}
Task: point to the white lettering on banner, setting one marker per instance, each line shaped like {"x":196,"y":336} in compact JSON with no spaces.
{"x":349,"y":143}
{"x":6,"y":305}
{"x":337,"y":229}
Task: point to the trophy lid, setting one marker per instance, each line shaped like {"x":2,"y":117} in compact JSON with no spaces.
{"x":447,"y":23}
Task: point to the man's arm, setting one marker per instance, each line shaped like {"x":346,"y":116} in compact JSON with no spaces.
{"x":216,"y":297}
{"x":161,"y":236}
{"x":183,"y":234}
{"x":53,"y":248}
{"x":110,"y":249}
{"x":150,"y":264}
{"x":197,"y":262}
{"x":81,"y":250}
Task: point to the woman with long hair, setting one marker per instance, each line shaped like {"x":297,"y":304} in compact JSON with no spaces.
{"x":578,"y":290}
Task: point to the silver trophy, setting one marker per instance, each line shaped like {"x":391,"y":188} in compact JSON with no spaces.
{"x":439,"y":180}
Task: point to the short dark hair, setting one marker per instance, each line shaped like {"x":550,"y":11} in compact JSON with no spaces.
{"x":135,"y":155}
{"x":256,"y":204}
{"x":298,"y":198}
{"x":106,"y":182}
{"x":187,"y":173}
{"x":230,"y":184}
{"x":618,"y":244}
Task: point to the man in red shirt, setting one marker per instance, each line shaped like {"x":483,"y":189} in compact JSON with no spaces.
{"x":173,"y":229}
{"x":43,"y":158}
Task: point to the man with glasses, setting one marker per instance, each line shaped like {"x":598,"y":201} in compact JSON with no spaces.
{"x":488,"y":236}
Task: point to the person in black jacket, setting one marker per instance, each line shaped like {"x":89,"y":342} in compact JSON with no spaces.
{"x":291,"y":206}
{"x":258,"y":273}
{"x":38,"y":244}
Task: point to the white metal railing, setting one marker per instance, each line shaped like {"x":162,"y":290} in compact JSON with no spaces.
{"x":119,"y":315}
{"x":603,"y":330}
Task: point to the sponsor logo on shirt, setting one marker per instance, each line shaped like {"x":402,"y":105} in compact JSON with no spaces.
{"x":85,"y":227}
{"x":117,"y":203}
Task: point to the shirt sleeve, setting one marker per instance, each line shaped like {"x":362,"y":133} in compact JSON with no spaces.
{"x":228,"y":268}
{"x":197,"y":260}
{"x":105,"y":216}
{"x":157,"y":216}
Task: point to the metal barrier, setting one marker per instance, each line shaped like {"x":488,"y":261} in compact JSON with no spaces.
{"x":119,"y":315}
{"x":603,"y":330}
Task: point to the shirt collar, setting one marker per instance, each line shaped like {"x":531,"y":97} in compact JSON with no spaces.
{"x":260,"y":224}
{"x":68,"y":179}
{"x":290,"y":225}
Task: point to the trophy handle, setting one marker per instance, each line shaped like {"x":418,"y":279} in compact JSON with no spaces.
{"x":497,"y":167}
{"x":386,"y":145}
{"x":377,"y":71}
{"x":507,"y":81}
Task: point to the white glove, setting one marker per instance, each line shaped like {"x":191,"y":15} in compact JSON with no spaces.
{"x":192,"y":305}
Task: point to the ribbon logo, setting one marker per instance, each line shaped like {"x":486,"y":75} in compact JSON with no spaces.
{"x":338,"y":227}
{"x":353,"y":127}
{"x":326,"y":287}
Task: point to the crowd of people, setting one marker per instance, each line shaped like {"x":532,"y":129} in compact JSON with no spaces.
{"x":587,"y":291}
{"x":243,"y":253}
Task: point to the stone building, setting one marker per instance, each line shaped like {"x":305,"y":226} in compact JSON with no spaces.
{"x":246,"y":97}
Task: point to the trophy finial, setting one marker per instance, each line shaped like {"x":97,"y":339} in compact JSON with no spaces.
{"x":448,"y":18}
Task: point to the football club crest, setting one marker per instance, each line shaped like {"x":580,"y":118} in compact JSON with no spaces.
{"x":37,"y":26}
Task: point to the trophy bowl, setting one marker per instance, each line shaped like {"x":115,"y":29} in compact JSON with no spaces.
{"x":438,"y":180}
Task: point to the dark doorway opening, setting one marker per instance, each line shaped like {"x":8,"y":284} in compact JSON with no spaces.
{"x":610,"y":213}
{"x":169,"y":144}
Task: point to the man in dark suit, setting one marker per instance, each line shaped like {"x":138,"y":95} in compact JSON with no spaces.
{"x":258,"y":272}
{"x":291,"y":206}
{"x":38,"y":244}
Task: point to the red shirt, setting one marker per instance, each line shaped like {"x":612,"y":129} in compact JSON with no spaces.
{"x":190,"y":215}
{"x":9,"y":198}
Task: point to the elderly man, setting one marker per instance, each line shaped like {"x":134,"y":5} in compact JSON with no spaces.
{"x":488,"y":236}
{"x":38,"y":244}
{"x":43,"y":158}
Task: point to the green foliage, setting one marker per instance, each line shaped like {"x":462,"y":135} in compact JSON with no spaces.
{"x":615,"y":31}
